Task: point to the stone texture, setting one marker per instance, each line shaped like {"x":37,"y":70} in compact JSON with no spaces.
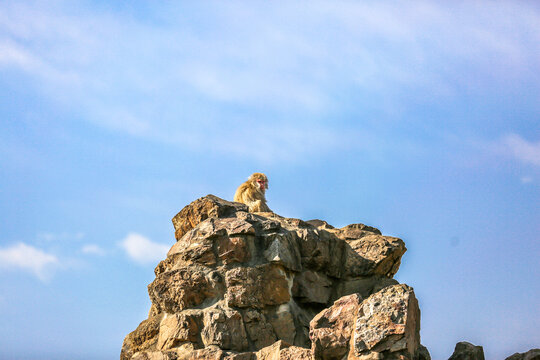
{"x":331,"y":329}
{"x":355,"y":231}
{"x":182,"y":288}
{"x":156,"y":355}
{"x":467,"y":351}
{"x":281,"y":350}
{"x":178,"y":328}
{"x":282,"y":320}
{"x":142,"y":338}
{"x":201,"y":209}
{"x":375,"y":255}
{"x":283,"y":249}
{"x":243,"y":286}
{"x":388,"y":322}
{"x":364,"y":286}
{"x":259,"y":330}
{"x":422,"y":353}
{"x":312,"y":287}
{"x":257,"y":287}
{"x":215,"y":353}
{"x":533,"y":354}
{"x":224,"y":328}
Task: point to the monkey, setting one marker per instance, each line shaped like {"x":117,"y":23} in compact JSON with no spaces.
{"x":252,"y":192}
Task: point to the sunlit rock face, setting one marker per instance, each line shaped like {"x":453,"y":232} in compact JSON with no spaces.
{"x":253,"y":286}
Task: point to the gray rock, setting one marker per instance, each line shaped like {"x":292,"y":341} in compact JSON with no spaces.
{"x":533,"y":354}
{"x":388,"y":322}
{"x":467,"y":351}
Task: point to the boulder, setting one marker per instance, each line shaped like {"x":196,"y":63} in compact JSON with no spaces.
{"x":331,"y":329}
{"x":533,"y":354}
{"x":467,"y":351}
{"x":201,"y":209}
{"x":388,"y":323}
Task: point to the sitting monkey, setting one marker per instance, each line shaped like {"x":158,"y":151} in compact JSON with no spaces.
{"x":252,"y":192}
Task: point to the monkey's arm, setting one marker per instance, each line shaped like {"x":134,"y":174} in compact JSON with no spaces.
{"x":259,"y":206}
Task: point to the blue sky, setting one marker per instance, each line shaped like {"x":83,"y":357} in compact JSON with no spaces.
{"x":419,"y":118}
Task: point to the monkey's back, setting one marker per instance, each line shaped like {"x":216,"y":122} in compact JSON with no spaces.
{"x":240,"y":192}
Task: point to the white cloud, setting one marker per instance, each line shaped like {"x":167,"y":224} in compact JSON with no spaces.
{"x":523,"y":150}
{"x":188,"y":82}
{"x":93,"y":249}
{"x":63,"y":236}
{"x":143,"y":250}
{"x":526,"y":179}
{"x":28,"y":258}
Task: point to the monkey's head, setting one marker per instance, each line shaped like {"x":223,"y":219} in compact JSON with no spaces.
{"x":260,"y":181}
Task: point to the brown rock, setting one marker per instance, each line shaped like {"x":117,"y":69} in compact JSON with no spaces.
{"x":156,"y":355}
{"x":281,"y":350}
{"x":201,"y":209}
{"x":199,"y":244}
{"x":215,"y":353}
{"x":365,"y":286}
{"x":236,"y":226}
{"x":388,"y":322}
{"x":233,"y":249}
{"x":374,"y":255}
{"x":178,"y":328}
{"x":312,"y":287}
{"x":320,"y":224}
{"x":142,"y":338}
{"x":224,"y":328}
{"x":467,"y":351}
{"x":295,"y":353}
{"x":260,"y":331}
{"x":282,"y":320}
{"x":355,"y":231}
{"x":331,"y":329}
{"x":179,"y":289}
{"x":257,"y":287}
{"x":208,"y":353}
{"x":238,"y":281}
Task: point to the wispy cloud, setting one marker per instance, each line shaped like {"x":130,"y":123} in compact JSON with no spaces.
{"x":523,"y":150}
{"x":63,"y":236}
{"x":28,"y":258}
{"x":143,"y":250}
{"x":207,"y":83}
{"x":93,"y":249}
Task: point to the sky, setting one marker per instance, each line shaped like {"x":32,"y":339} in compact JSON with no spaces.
{"x":421,"y":118}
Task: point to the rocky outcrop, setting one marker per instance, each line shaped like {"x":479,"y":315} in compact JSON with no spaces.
{"x":253,"y":286}
{"x":533,"y":354}
{"x":467,"y":351}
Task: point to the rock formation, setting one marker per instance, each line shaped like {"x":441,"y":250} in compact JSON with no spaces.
{"x":533,"y":354}
{"x":257,"y":286}
{"x":467,"y":351}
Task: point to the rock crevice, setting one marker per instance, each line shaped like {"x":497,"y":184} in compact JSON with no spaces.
{"x":252,"y":286}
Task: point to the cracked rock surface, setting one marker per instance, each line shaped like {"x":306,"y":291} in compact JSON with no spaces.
{"x":253,"y":286}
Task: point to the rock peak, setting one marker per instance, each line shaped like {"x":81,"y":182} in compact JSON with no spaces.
{"x":253,"y":286}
